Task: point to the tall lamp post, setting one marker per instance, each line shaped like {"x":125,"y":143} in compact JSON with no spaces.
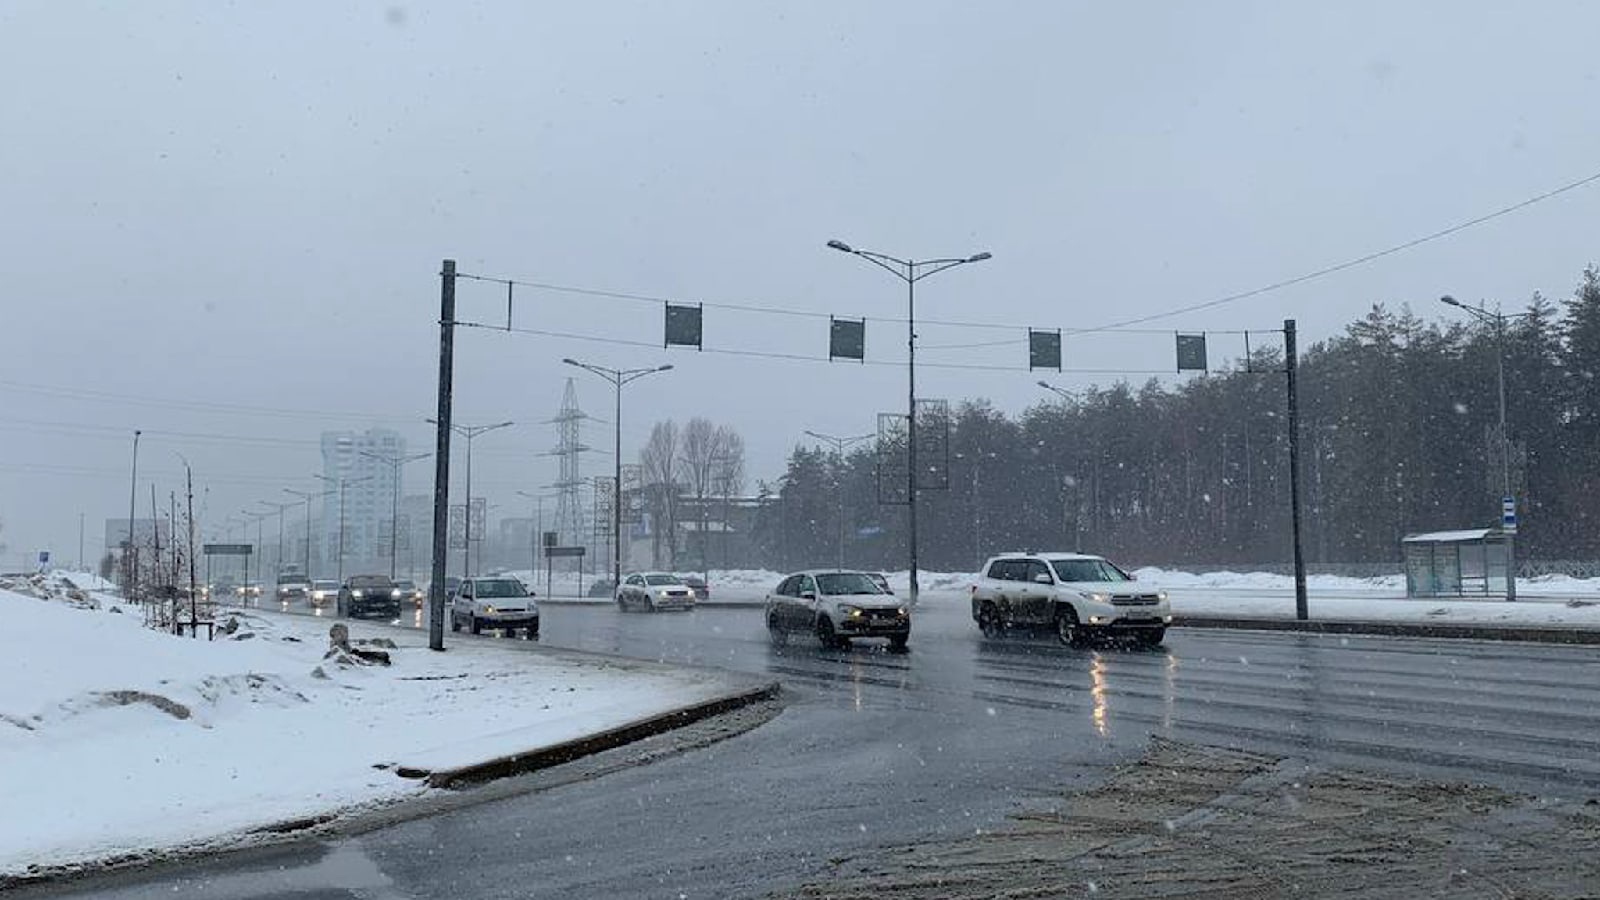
{"x":339,"y":485}
{"x":394,"y":463}
{"x":131,"y":554}
{"x":469,"y":432}
{"x":306,"y":497}
{"x":536,"y":524}
{"x":1068,"y":398}
{"x":277,"y":509}
{"x":618,"y":378}
{"x":839,"y":444}
{"x":1508,"y":500}
{"x":910,"y":271}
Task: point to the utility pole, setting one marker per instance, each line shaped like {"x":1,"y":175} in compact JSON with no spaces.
{"x":910,"y":271}
{"x":441,"y":455}
{"x":469,"y":432}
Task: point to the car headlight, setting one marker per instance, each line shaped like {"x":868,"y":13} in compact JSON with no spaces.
{"x":356,"y":594}
{"x":1161,"y":595}
{"x":903,"y":611}
{"x":489,"y":609}
{"x":395,"y":593}
{"x":1090,"y":595}
{"x":851,"y":611}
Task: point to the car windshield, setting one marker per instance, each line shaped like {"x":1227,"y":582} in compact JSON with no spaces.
{"x":498,"y":587}
{"x":663,"y":580}
{"x":1087,"y":570}
{"x":325,"y":585}
{"x":291,"y":579}
{"x":405,"y":585}
{"x":836,"y":584}
{"x":370,"y":582}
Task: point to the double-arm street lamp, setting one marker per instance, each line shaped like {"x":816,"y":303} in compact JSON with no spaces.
{"x":339,"y":485}
{"x":394,"y":463}
{"x":469,"y":432}
{"x":618,"y":378}
{"x":839,"y":444}
{"x":910,"y":271}
{"x":306,"y":497}
{"x":1508,"y":500}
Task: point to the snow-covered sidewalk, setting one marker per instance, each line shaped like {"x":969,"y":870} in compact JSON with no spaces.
{"x":117,"y":739}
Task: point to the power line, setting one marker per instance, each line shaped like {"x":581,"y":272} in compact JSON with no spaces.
{"x":1118,"y":327}
{"x":1350,"y":263}
{"x":796,"y":357}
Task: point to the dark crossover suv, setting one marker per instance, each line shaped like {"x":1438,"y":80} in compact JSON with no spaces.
{"x":362,"y":596}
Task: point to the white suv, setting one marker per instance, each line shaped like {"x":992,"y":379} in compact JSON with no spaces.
{"x":499,"y":602}
{"x":1071,"y":592}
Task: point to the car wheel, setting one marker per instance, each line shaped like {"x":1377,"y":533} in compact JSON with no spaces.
{"x":898,"y":642}
{"x":531,"y":634}
{"x":1153,"y":637}
{"x":826,"y":635}
{"x":776,"y":633}
{"x":622,"y":606}
{"x":989,"y":621}
{"x":1068,"y":630}
{"x":474,"y":625}
{"x":455,"y":622}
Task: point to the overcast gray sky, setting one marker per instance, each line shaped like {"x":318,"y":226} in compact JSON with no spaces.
{"x":226,"y":219}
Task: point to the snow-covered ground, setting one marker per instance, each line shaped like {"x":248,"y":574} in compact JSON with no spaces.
{"x":115,"y":738}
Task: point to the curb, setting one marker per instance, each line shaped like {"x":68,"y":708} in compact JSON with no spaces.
{"x":556,"y":754}
{"x":1531,"y":633}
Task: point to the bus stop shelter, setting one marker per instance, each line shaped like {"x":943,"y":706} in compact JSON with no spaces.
{"x":1470,"y":562}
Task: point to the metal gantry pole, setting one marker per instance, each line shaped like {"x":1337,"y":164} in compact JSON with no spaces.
{"x":131,"y":554}
{"x":441,"y":466}
{"x":1291,"y":368}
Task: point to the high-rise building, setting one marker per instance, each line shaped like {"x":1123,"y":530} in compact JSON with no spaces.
{"x":369,"y":488}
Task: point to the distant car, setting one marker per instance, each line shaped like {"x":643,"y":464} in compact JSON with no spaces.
{"x":1076,"y":594}
{"x":654,"y":591}
{"x":226,"y":589}
{"x":323,"y":592}
{"x":498,"y":601}
{"x":836,"y":607}
{"x":410,"y":591}
{"x":881,"y":580}
{"x":702,"y":591}
{"x":293,"y":587}
{"x":368,"y":595}
{"x":251,"y":589}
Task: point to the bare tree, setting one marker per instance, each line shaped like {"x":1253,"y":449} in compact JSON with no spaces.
{"x":711,"y":459}
{"x":658,"y":462}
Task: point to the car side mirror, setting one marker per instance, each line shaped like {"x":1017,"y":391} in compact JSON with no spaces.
{"x":532,"y":592}
{"x":1042,"y":579}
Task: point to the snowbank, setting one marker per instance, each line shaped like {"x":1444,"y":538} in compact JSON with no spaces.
{"x":115,"y":738}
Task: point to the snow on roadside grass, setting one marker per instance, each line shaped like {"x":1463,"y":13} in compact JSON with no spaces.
{"x":115,"y":738}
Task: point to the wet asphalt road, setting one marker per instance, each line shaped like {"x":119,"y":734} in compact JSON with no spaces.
{"x":875,"y":748}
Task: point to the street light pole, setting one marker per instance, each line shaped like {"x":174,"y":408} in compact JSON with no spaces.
{"x":839,"y":444}
{"x":618,"y":378}
{"x":395,"y":462}
{"x":469,"y":432}
{"x":1068,"y":398}
{"x":1498,"y":319}
{"x":910,"y":271}
{"x":341,"y":485}
{"x":307,"y":496}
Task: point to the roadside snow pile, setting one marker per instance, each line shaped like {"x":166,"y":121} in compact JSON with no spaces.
{"x":115,"y":739}
{"x":1266,"y":581}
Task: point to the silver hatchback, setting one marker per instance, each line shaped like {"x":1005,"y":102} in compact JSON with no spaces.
{"x":836,"y":606}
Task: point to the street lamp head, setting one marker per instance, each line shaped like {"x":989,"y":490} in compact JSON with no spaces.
{"x":1449,"y":300}
{"x":841,"y":246}
{"x":1045,"y":385}
{"x":570,"y":361}
{"x":980,"y":257}
{"x":664,"y":368}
